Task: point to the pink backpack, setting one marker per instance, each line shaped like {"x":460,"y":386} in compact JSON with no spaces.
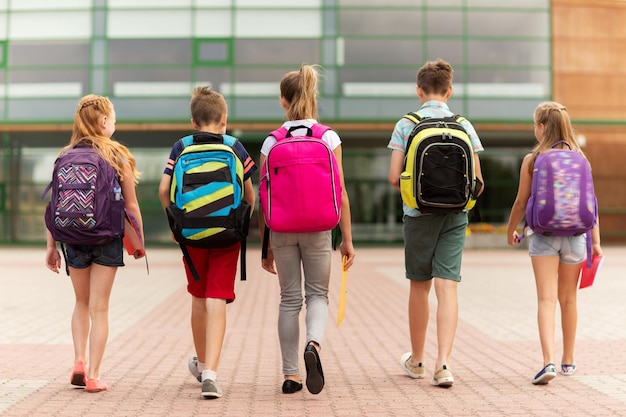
{"x":300,"y":187}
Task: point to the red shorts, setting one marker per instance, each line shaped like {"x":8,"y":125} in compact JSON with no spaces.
{"x":217,"y":269}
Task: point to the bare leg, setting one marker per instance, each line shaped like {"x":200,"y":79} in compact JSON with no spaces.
{"x":546,"y":268}
{"x":418,"y":318}
{"x":215,"y":331}
{"x":447,"y":318}
{"x":80,"y":316}
{"x":199,"y":320}
{"x":102,"y":278}
{"x":568,"y":291}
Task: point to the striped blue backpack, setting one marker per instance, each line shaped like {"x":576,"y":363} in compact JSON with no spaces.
{"x":207,"y":206}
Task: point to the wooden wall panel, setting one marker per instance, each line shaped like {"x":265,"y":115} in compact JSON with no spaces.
{"x":587,"y":96}
{"x":589,"y":78}
{"x":589,"y":68}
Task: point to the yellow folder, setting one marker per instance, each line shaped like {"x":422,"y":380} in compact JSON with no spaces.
{"x":341,"y":311}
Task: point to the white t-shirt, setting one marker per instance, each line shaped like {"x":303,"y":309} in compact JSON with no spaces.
{"x":330,"y":136}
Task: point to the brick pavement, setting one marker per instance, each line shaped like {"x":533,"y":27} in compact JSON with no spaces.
{"x":496,"y":351}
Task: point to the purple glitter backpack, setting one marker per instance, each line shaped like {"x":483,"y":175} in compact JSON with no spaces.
{"x":562,"y":200}
{"x":86,"y":205}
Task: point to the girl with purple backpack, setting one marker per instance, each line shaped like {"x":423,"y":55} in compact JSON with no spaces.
{"x":289,"y":253}
{"x":92,"y":268}
{"x":556,"y":260}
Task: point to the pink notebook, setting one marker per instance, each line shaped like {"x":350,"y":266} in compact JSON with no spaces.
{"x":588,"y":275}
{"x":132,"y":236}
{"x":133,"y":241}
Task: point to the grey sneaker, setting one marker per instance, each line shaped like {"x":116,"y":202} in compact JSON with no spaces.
{"x":193,"y":368}
{"x":443,"y":378}
{"x":210,"y":389}
{"x":412,"y":370}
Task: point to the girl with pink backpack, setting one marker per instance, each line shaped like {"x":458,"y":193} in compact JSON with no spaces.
{"x":302,"y":242}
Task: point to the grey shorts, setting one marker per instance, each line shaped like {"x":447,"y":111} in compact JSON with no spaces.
{"x":569,"y":249}
{"x":433,"y":246}
{"x":108,"y":254}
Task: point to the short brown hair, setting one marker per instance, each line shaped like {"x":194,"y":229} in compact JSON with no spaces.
{"x":435,"y":77}
{"x":207,"y":106}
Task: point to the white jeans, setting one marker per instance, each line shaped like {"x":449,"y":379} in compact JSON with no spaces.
{"x":294,"y":253}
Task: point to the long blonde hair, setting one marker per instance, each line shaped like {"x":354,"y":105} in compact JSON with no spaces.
{"x":87,"y":130}
{"x":299,"y":89}
{"x":557,"y":127}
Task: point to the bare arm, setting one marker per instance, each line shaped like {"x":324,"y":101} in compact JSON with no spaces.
{"x":345,"y":222}
{"x":596,"y":249}
{"x":130,"y":196}
{"x":518,"y":211}
{"x":479,"y":173}
{"x":248,"y":194}
{"x":396,"y":166}
{"x":164,"y":190}
{"x":53,"y":257}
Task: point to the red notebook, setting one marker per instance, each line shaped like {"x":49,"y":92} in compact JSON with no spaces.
{"x":588,"y":275}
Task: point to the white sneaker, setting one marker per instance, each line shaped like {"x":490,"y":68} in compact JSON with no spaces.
{"x":412,"y":370}
{"x":443,"y":377}
{"x":193,"y":368}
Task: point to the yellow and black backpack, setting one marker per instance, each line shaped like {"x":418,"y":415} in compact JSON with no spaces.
{"x":438,"y":175}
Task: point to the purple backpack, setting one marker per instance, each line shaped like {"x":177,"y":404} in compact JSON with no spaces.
{"x":86,"y":205}
{"x":562,"y":200}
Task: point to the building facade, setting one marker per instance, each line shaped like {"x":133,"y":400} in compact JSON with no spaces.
{"x":147,"y":55}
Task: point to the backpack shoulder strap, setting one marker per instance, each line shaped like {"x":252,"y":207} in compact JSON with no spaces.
{"x":318,"y":130}
{"x":561,"y":142}
{"x":187,"y":140}
{"x":280,"y":133}
{"x":414,"y":117}
{"x":459,"y":118}
{"x":230,"y":140}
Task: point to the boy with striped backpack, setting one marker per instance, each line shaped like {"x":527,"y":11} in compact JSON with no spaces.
{"x":206,"y":191}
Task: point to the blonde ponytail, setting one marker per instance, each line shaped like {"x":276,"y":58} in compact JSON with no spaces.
{"x":299,"y":90}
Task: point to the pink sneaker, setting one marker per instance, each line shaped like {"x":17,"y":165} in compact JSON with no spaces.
{"x":95,"y":385}
{"x":78,"y":374}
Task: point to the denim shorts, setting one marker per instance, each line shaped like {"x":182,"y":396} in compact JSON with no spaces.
{"x":107,"y":254}
{"x":569,"y":249}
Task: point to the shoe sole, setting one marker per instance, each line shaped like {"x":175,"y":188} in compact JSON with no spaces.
{"x":78,"y":380}
{"x":211,"y":395}
{"x":444,"y":382}
{"x":544,"y":379}
{"x":314,"y":380}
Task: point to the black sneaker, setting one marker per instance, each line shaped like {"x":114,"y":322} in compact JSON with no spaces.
{"x":314,"y":373}
{"x":290,"y":386}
